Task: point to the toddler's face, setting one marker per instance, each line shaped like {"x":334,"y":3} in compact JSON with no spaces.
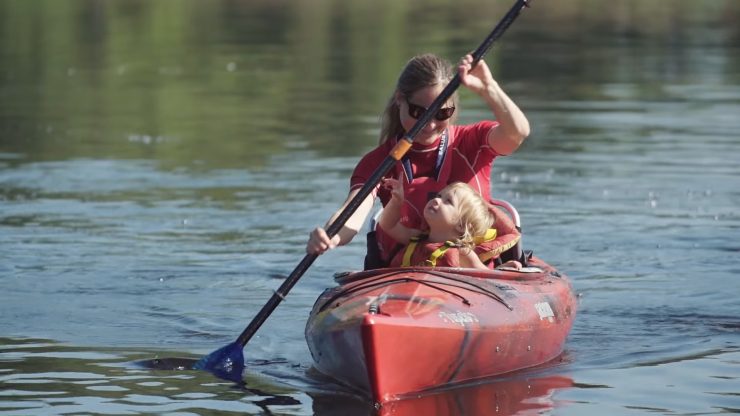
{"x":443,"y":210}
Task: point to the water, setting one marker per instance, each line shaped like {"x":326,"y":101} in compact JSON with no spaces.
{"x":161,"y":164}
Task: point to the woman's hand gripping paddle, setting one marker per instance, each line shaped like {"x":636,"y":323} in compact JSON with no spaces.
{"x":228,"y":362}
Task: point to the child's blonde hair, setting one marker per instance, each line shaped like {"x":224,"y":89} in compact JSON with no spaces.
{"x":474,"y":217}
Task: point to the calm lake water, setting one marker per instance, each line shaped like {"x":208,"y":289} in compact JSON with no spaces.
{"x":161,"y":165}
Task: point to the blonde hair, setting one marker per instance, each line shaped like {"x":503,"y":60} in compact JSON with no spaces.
{"x":421,"y":71}
{"x":475,"y":218}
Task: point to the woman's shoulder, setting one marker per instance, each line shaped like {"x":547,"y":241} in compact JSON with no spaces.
{"x":378,"y":152}
{"x":370,"y":161}
{"x":478,"y":129}
{"x":471,"y":137}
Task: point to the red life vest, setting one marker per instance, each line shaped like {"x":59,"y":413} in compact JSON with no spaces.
{"x":422,"y":253}
{"x":505,"y":237}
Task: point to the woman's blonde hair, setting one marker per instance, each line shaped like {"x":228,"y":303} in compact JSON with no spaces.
{"x":421,"y":71}
{"x":475,"y":218}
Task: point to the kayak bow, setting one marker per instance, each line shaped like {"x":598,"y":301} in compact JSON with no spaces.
{"x":392,"y":332}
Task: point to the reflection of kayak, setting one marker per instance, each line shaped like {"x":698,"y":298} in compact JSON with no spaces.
{"x":528,"y":396}
{"x":390,"y":332}
{"x":522,"y":394}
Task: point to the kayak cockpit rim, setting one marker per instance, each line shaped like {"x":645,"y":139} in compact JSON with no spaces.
{"x":380,"y":280}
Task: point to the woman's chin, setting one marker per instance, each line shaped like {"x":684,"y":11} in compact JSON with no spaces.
{"x":427,"y":138}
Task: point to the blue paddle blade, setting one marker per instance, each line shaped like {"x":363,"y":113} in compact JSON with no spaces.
{"x":226,"y":362}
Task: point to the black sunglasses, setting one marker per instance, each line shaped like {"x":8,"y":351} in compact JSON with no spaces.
{"x":416,"y":111}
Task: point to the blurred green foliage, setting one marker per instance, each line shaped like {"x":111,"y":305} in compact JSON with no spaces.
{"x":223,"y":84}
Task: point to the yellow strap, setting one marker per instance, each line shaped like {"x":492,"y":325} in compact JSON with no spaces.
{"x":488,"y":236}
{"x":436,"y":254}
{"x":409,"y":251}
{"x":432,"y":261}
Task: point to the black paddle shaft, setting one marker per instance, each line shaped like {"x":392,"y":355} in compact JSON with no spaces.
{"x":395,"y":155}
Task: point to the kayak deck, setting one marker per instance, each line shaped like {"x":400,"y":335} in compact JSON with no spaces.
{"x":391,"y":332}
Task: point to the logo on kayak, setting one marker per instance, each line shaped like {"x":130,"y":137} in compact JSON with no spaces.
{"x":460,"y":318}
{"x":544,"y":310}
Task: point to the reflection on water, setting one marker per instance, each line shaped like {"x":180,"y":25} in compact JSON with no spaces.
{"x":523,"y":394}
{"x":40,"y":374}
{"x":42,"y":377}
{"x":162,"y":162}
{"x":520,"y":395}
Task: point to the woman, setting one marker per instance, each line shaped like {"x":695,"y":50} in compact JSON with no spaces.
{"x":442,"y":152}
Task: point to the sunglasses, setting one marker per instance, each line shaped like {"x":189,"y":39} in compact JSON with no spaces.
{"x":416,"y":111}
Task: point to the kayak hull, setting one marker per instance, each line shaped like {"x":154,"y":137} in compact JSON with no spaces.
{"x":394,"y":332}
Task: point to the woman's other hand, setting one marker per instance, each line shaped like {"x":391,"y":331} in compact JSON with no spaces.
{"x":319,"y":242}
{"x":476,"y":79}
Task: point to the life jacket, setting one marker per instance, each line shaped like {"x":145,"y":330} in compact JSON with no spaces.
{"x":505,"y":236}
{"x":419,"y":252}
{"x":423,"y":253}
{"x":489,"y":247}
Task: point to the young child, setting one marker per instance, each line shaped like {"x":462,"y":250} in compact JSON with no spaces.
{"x":455,"y":218}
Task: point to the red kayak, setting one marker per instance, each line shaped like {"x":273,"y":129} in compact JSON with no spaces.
{"x":393,"y":332}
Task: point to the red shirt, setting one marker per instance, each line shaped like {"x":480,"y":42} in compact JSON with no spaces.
{"x":468,"y":159}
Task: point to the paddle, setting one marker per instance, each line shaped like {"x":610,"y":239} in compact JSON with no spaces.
{"x":228,"y":362}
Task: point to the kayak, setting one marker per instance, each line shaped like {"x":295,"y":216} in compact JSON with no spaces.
{"x":393,"y":332}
